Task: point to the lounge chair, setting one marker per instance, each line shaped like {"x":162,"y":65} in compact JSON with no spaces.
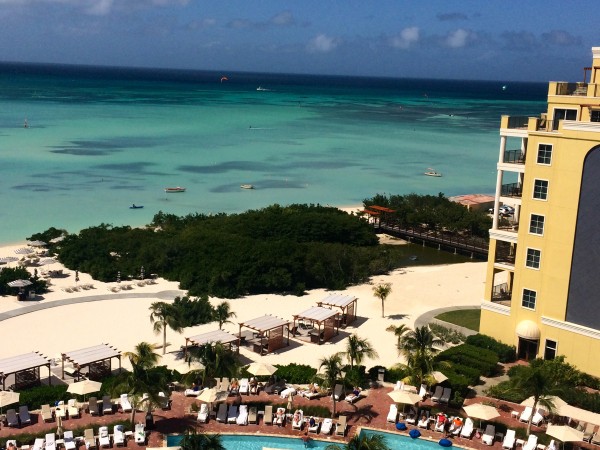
{"x":531,"y":443}
{"x":93,"y":406}
{"x":326,"y":426}
{"x":69,"y":440}
{"x":440,"y":423}
{"x":244,"y":388}
{"x":509,"y":440}
{"x":268,"y":417}
{"x":224,"y":386}
{"x":242,"y":417}
{"x":280,"y":417}
{"x":46,"y":413}
{"x":399,"y":385}
{"x":103,"y":437}
{"x":595,"y":439}
{"x":456,"y":426}
{"x":338,"y":391}
{"x":298,"y":420}
{"x":423,"y":419}
{"x":203,"y":413}
{"x":118,"y":435}
{"x":38,"y":444}
{"x":313,"y":425}
{"x":537,"y":418}
{"x":11,"y":418}
{"x":423,"y":391}
{"x":60,"y":410}
{"x":354,"y":396}
{"x":340,"y":428}
{"x":467,"y":430}
{"x":439,"y":390}
{"x":125,"y":403}
{"x":193,"y":391}
{"x":24,"y":416}
{"x":50,"y":441}
{"x":232,"y":414}
{"x":551,"y":445}
{"x":588,"y":433}
{"x":488,"y":435}
{"x":290,"y":390}
{"x":140,"y":434}
{"x":222,"y":413}
{"x":411,"y":417}
{"x":445,"y":398}
{"x":73,"y":409}
{"x":89,"y":438}
{"x":165,"y":401}
{"x":107,"y":406}
{"x":253,"y":414}
{"x":526,"y":414}
{"x":393,"y":413}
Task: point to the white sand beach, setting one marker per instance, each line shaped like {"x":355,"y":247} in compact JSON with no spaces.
{"x":123,"y":322}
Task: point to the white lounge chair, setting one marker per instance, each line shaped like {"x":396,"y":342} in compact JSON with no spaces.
{"x":253,"y":414}
{"x":103,"y":437}
{"x":411,"y":416}
{"x":24,"y":415}
{"x":439,"y":390}
{"x":456,"y":426}
{"x":393,"y":413}
{"x":69,"y":440}
{"x":203,"y":413}
{"x":242,"y":418}
{"x":287,"y":392}
{"x":232,"y":414}
{"x":440,"y":423}
{"x":488,"y":435}
{"x":467,"y":429}
{"x":509,"y":440}
{"x":38,"y":444}
{"x":526,"y":414}
{"x":140,"y":434}
{"x":551,"y":445}
{"x":268,"y":416}
{"x":314,"y":428}
{"x":50,"y":441}
{"x":125,"y":403}
{"x":89,"y":438}
{"x":340,"y":428}
{"x":73,"y":409}
{"x":423,"y":391}
{"x":11,"y":418}
{"x":244,"y":386}
{"x":423,"y":419}
{"x":298,"y":420}
{"x":531,"y":443}
{"x":537,"y":418}
{"x":445,"y":398}
{"x":118,"y":435}
{"x":326,"y":426}
{"x":280,"y":417}
{"x":165,"y":401}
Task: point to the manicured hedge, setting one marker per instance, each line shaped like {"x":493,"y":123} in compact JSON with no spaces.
{"x":37,"y":396}
{"x":506,"y":353}
{"x":486,"y":361}
{"x":296,"y":373}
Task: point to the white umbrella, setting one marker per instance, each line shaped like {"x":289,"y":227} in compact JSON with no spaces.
{"x":208,"y":395}
{"x":46,"y":261}
{"x":439,"y":376}
{"x":481,"y":411}
{"x":557,"y":403}
{"x":564,"y":433}
{"x":7,"y":259}
{"x":405,"y":397}
{"x":8,"y":398}
{"x":24,"y":251}
{"x":37,"y":243}
{"x":19,"y":283}
{"x":84,"y":387}
{"x":290,"y":401}
{"x":261,"y":369}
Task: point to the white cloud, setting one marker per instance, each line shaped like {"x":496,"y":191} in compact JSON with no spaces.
{"x":457,"y":38}
{"x":283,"y":18}
{"x":100,"y":8}
{"x":406,"y":38}
{"x":322,"y":44}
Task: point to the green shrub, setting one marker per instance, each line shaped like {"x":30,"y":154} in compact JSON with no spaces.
{"x":448,"y":335}
{"x":506,"y":353}
{"x":296,"y":373}
{"x":395,"y":373}
{"x":470,"y":374}
{"x":37,"y":396}
{"x":308,"y":410}
{"x":486,"y":361}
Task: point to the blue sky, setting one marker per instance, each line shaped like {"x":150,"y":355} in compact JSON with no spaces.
{"x":528,"y":40}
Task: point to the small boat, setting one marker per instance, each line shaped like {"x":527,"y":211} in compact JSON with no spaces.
{"x":432,"y":173}
{"x":413,"y":257}
{"x":171,"y":190}
{"x":247,"y":186}
{"x":260,"y":88}
{"x":134,"y":206}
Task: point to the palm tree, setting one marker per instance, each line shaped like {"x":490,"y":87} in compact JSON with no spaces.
{"x":217,"y":360}
{"x":418,"y":348}
{"x":362,"y":442}
{"x":400,"y":332}
{"x":223,"y":313}
{"x":381,"y":291}
{"x":165,"y":315}
{"x":201,"y":441}
{"x":357,"y":349}
{"x":143,"y":356}
{"x":332,"y":368}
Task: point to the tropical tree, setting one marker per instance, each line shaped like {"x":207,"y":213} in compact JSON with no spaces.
{"x":165,"y":315}
{"x":217,"y":360}
{"x":418,"y":346}
{"x":362,"y":441}
{"x":357,"y":349}
{"x":223,"y":313}
{"x":381,"y":291}
{"x":399,"y":331}
{"x":332,"y":370}
{"x":143,"y":356}
{"x":201,"y":441}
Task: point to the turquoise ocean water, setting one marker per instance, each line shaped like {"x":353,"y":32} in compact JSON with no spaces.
{"x":102,"y":139}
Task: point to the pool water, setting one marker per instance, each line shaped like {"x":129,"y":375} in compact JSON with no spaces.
{"x":254,"y":442}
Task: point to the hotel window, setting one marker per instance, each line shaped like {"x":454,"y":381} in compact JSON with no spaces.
{"x":536,"y":224}
{"x":550,"y":350}
{"x":595,"y":115}
{"x":544,"y":154}
{"x":533,"y":258}
{"x":529,"y":297}
{"x":540,"y":189}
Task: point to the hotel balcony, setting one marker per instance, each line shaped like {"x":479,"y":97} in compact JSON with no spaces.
{"x":505,"y":255}
{"x":514,"y":157}
{"x":501,"y":294}
{"x":513,"y":190}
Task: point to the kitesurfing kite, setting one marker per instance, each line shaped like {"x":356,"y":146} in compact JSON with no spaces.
{"x":224,"y":79}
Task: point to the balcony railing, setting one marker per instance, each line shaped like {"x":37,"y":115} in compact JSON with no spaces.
{"x":505,"y":253}
{"x":501,"y":292}
{"x":518,"y":122}
{"x":514,"y":157}
{"x":571,"y":89}
{"x":511,"y":190}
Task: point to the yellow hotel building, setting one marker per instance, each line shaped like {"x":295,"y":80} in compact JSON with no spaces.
{"x":542,"y":290}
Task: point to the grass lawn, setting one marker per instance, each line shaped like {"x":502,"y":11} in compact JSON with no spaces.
{"x":468,"y":318}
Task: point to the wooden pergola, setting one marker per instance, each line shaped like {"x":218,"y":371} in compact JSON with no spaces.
{"x":210,"y":338}
{"x":25,"y":368}
{"x":97,"y":359}
{"x":325,"y":319}
{"x":346,"y":303}
{"x":269,"y":333}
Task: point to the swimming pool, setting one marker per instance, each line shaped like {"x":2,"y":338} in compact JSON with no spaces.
{"x":254,"y":442}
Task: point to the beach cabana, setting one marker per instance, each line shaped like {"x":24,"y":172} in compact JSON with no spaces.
{"x":324,"y":323}
{"x":268,"y":333}
{"x":346,"y":303}
{"x":97,"y":359}
{"x":211,"y":337}
{"x":25,"y":368}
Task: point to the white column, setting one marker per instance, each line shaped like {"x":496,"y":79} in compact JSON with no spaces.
{"x":499,"y":183}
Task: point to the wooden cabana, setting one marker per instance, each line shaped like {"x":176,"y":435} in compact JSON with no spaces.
{"x":268,"y":333}
{"x":211,"y":337}
{"x":346,"y":303}
{"x":325,"y":319}
{"x":97,"y":359}
{"x":26,"y":370}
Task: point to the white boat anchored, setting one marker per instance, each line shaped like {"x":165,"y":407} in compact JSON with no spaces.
{"x":247,"y":186}
{"x":432,"y":173}
{"x":171,"y":190}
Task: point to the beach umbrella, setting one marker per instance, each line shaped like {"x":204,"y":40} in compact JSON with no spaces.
{"x":142,"y":273}
{"x":439,"y":376}
{"x":57,"y":239}
{"x":59,"y":427}
{"x":119,"y":276}
{"x":24,"y":251}
{"x":46,"y":261}
{"x":405,"y":397}
{"x":37,"y":244}
{"x":261,"y":369}
{"x":557,"y":403}
{"x":20,"y":283}
{"x":208,"y":395}
{"x":8,"y":398}
{"x":564,"y":433}
{"x":290,"y":401}
{"x":84,"y":387}
{"x":481,"y":411}
{"x":7,"y":259}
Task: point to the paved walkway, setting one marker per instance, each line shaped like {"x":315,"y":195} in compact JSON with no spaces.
{"x":41,"y":305}
{"x":429,"y":316}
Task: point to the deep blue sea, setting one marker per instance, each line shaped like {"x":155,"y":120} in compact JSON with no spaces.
{"x":101,"y":139}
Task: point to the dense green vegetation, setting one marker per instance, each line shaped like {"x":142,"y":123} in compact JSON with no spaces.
{"x":468,"y":318}
{"x":8,"y":274}
{"x":506,"y":353}
{"x":435,"y":212}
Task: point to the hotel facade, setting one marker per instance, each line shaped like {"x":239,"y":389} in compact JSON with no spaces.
{"x":542,"y":291}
